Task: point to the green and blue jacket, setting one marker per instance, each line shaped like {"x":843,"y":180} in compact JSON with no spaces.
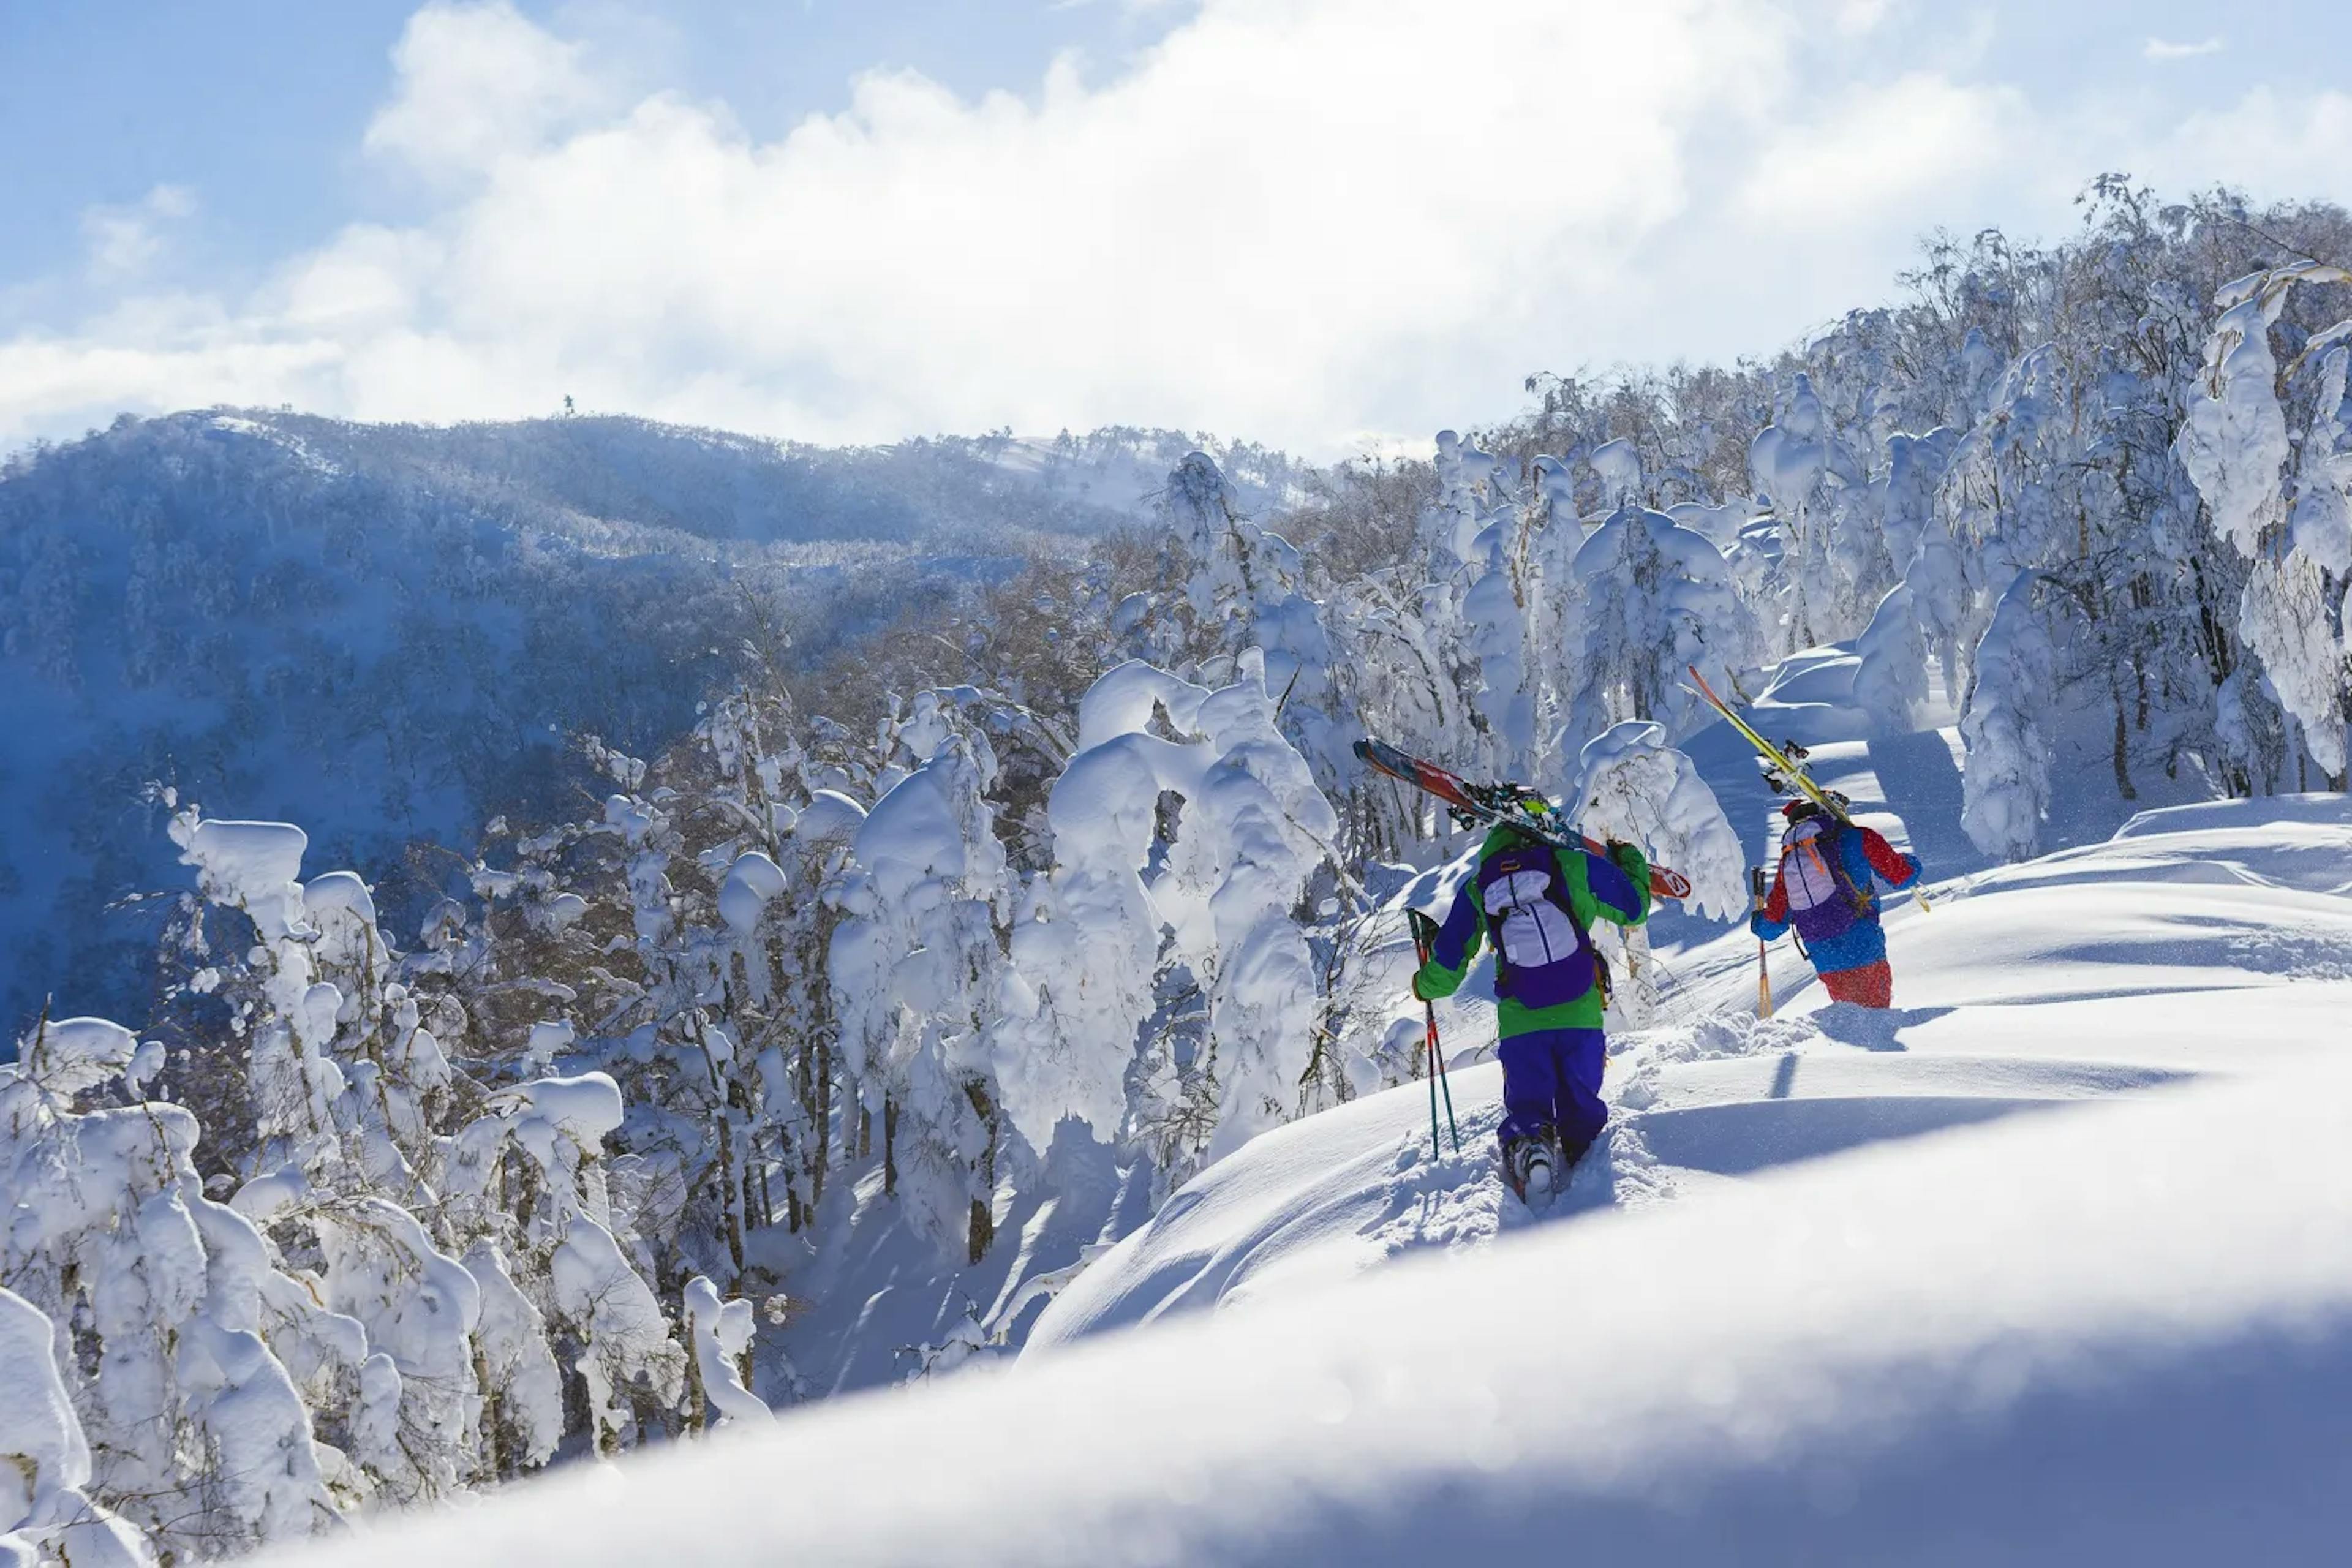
{"x":1614,"y":888}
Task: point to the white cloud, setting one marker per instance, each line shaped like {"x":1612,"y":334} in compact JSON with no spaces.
{"x":2276,"y":146}
{"x":2165,"y":49}
{"x":1858,"y":16}
{"x":1293,"y":216}
{"x":476,"y":83}
{"x":1919,"y":135}
{"x":1296,"y":220}
{"x":123,"y":241}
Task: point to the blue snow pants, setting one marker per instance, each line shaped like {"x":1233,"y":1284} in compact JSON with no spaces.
{"x":1551,"y":1077}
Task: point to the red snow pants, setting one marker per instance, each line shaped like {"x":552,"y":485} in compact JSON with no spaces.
{"x":1872,"y":986}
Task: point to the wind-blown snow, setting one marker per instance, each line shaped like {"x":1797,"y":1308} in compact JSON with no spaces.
{"x":719,"y":1332}
{"x":830,"y":818}
{"x":74,"y":1054}
{"x":750,"y":882}
{"x":253,"y":865}
{"x":1636,"y":788}
{"x":2234,"y":443}
{"x":1253,"y":830}
{"x":44,"y":1459}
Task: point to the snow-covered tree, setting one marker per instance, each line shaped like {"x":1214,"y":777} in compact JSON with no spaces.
{"x":2295,"y":519}
{"x":1497,"y":604}
{"x":1891,"y":682}
{"x":1230,"y":585}
{"x":1634,"y":788}
{"x":1655,"y":600}
{"x":158,"y":1299}
{"x":917,"y":969}
{"x":1185,"y":812}
{"x":47,"y":1518}
{"x":2007,"y":784}
{"x":1788,"y":462}
{"x":720,"y":1332}
{"x":462,"y":1233}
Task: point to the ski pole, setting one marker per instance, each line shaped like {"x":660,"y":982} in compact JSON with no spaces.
{"x":1442,"y":1081}
{"x":1763,"y":949}
{"x":1423,"y":930}
{"x":1429,"y":1044}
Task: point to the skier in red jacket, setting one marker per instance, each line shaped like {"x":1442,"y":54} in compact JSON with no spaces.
{"x":1825,"y":890}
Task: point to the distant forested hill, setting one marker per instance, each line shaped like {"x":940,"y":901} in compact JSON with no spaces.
{"x":386,"y":632}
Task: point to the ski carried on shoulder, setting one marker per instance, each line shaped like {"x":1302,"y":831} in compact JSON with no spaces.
{"x":1788,"y":767}
{"x":1501,"y":803}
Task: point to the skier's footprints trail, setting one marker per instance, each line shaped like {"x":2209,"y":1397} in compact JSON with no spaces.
{"x":1462,"y":1199}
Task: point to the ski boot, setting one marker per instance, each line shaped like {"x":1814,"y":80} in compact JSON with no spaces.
{"x":1534,"y":1169}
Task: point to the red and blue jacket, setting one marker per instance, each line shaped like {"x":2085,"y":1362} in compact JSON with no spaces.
{"x":1864,"y":855}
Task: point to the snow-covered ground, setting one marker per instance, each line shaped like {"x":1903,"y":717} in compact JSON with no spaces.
{"x":2052,"y":1263}
{"x":2050,"y":1340}
{"x":2203,"y":941}
{"x":2119,"y":1332}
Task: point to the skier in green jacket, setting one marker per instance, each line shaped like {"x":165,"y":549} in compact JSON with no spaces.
{"x":1538,"y":903}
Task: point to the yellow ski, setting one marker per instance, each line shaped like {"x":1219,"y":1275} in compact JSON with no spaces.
{"x":1788,"y":769}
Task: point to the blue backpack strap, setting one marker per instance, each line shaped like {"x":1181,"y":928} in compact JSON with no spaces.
{"x":1836,"y":837}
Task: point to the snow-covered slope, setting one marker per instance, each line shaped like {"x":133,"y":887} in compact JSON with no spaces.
{"x":2123,"y":973}
{"x":1125,"y":469}
{"x":2122,"y":1334}
{"x":2188,"y":946}
{"x":2072,"y":1283}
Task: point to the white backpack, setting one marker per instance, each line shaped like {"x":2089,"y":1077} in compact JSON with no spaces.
{"x":1805,"y":871}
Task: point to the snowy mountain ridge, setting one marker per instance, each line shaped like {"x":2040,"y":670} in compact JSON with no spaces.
{"x":388,"y":633}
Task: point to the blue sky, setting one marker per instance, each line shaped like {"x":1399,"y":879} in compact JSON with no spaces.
{"x":258,"y":106}
{"x":1319,"y":222}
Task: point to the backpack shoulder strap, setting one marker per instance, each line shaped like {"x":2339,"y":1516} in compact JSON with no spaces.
{"x":1603,"y":983}
{"x":1559,"y":891}
{"x":1834,"y":840}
